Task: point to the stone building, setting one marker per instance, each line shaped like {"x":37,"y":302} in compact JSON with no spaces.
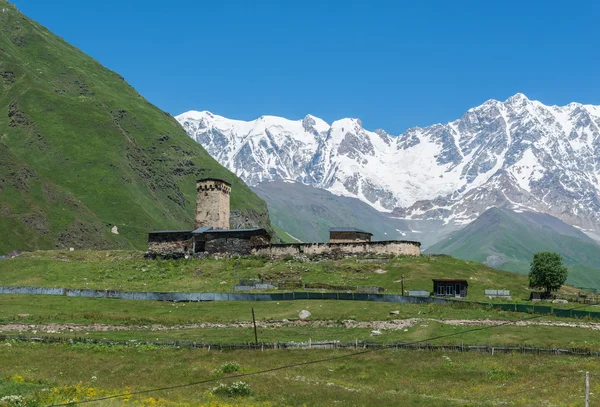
{"x":211,"y":234}
{"x":170,"y":243}
{"x":348,"y":235}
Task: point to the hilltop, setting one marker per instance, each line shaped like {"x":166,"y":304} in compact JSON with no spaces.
{"x":85,"y":160}
{"x":507,"y":240}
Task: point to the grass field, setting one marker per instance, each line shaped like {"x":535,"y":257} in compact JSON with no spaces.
{"x":83,"y":370}
{"x":390,"y":378}
{"x":44,"y":309}
{"x":128,"y":271}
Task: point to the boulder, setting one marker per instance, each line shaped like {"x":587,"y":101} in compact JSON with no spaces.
{"x":394,"y":312}
{"x":304,"y":314}
{"x":559,"y":301}
{"x":375,"y":333}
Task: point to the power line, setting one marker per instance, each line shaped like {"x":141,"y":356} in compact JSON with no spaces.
{"x":274,"y":369}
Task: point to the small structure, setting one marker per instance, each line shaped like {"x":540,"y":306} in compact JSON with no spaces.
{"x":498,"y":294}
{"x":348,"y":235}
{"x":450,"y":288}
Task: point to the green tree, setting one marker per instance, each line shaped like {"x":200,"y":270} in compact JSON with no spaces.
{"x":547,"y":271}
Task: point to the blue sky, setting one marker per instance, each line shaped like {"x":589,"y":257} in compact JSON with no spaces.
{"x":394,"y":64}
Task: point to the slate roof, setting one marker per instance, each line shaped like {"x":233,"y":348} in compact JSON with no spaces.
{"x":172,"y":231}
{"x":346,"y":229}
{"x":202,"y":229}
{"x":449,"y":280}
{"x":234,"y":230}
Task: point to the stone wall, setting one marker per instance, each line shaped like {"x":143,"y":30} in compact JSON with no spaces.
{"x":170,"y":243}
{"x":340,"y":250}
{"x":229,"y":245}
{"x":212,"y":204}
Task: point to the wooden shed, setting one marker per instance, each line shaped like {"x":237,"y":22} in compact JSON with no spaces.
{"x":450,"y":288}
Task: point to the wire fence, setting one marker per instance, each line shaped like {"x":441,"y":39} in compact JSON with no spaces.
{"x":327,"y":345}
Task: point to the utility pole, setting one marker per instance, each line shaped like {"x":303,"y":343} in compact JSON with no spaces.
{"x":587,"y":389}
{"x":254,"y":322}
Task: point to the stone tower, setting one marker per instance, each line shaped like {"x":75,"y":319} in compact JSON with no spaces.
{"x":212,"y":203}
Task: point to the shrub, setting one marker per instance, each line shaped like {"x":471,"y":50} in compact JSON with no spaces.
{"x":235,"y":389}
{"x":230,"y":367}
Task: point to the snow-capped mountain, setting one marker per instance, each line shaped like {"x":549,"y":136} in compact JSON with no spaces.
{"x":518,"y":153}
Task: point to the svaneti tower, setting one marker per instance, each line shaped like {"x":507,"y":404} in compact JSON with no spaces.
{"x":212,"y":203}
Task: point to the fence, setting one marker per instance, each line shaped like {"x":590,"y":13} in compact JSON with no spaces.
{"x":581,"y":298}
{"x":487,"y":348}
{"x":194,"y":297}
{"x":301,"y":295}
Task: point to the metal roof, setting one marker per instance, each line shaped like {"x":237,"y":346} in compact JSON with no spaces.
{"x":172,"y":231}
{"x":449,"y":280}
{"x":347,"y":229}
{"x":202,"y":229}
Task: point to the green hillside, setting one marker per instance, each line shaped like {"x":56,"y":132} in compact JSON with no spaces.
{"x":507,"y":240}
{"x":81,"y":151}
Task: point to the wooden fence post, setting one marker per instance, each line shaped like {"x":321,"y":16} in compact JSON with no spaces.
{"x":587,"y":389}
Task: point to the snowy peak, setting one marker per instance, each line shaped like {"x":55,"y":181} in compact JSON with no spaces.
{"x":518,"y":152}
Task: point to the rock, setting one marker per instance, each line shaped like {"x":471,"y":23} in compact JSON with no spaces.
{"x":115,"y":230}
{"x":380,"y":271}
{"x":560,"y":301}
{"x":394,"y":312}
{"x":375,"y":333}
{"x":304,"y":314}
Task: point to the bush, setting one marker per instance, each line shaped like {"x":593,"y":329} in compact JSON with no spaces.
{"x":235,"y":389}
{"x":230,"y":367}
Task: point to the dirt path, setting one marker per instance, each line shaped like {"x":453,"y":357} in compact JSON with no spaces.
{"x":385,"y":325}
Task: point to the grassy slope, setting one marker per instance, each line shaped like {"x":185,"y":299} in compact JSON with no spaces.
{"x":387,"y":378}
{"x":512,"y":237}
{"x":129,"y":271}
{"x":82,"y":151}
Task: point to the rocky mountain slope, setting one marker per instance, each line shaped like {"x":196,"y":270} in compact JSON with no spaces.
{"x":85,"y":160}
{"x":518,"y":153}
{"x":506,"y":239}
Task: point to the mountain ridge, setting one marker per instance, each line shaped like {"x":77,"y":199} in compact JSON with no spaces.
{"x":517,"y":153}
